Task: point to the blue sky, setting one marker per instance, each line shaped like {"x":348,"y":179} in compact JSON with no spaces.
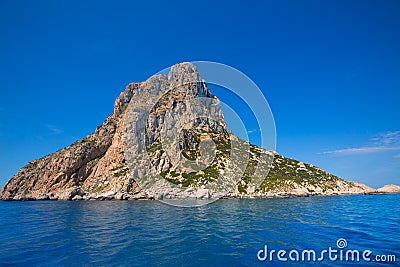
{"x":330,"y":71}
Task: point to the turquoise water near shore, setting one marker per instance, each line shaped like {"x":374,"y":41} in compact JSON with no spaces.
{"x":228,"y":232}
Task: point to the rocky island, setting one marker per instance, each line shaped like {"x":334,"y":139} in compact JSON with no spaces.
{"x":100,"y":166}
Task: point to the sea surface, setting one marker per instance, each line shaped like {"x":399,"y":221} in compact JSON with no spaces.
{"x":228,"y":232}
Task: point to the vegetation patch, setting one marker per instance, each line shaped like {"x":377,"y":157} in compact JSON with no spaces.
{"x":154,"y":148}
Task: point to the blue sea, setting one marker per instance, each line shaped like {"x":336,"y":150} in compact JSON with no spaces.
{"x":228,"y":232}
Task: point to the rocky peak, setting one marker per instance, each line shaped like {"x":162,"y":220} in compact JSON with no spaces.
{"x":186,"y":78}
{"x":182,"y":73}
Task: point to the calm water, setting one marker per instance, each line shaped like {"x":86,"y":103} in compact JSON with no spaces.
{"x":225,"y":233}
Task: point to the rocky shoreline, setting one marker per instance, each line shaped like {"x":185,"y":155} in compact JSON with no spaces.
{"x":76,"y":194}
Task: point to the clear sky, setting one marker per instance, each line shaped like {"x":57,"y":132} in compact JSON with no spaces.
{"x":330,"y":71}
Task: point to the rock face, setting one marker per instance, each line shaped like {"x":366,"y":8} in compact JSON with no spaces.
{"x":389,"y":189}
{"x":185,"y":143}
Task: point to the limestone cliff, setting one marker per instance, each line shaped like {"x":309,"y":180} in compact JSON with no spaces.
{"x":158,"y":119}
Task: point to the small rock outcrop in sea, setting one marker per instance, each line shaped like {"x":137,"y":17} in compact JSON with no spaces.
{"x":99,"y":165}
{"x":387,"y":189}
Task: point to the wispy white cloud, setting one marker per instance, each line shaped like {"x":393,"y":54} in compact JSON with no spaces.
{"x":382,"y":142}
{"x":54,"y":130}
{"x":388,"y":138}
{"x":252,"y":131}
{"x":397,"y":156}
{"x":362,"y":150}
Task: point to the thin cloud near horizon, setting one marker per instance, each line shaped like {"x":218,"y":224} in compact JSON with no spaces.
{"x":382,"y":142}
